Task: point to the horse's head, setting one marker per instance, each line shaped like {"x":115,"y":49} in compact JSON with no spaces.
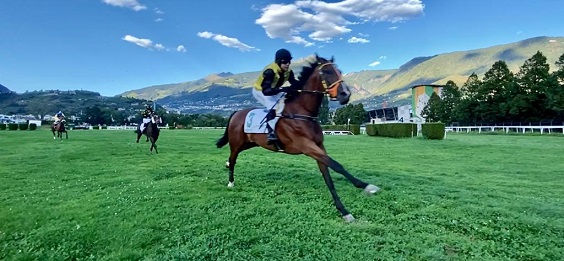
{"x":330,"y":79}
{"x":156,"y":119}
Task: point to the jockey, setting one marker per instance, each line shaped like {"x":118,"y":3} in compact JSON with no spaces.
{"x":267,"y":88}
{"x":58,"y":117}
{"x":146,"y":114}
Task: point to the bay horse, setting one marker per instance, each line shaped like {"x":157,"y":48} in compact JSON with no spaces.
{"x":152,"y":132}
{"x":298,"y":128}
{"x":60,"y":129}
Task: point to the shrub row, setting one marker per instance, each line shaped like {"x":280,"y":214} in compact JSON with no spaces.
{"x":354,"y":128}
{"x":406,"y":130}
{"x":433,"y":131}
{"x":16,"y":126}
{"x":393,"y":130}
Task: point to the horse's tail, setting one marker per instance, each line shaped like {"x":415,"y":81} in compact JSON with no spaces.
{"x":225,"y":138}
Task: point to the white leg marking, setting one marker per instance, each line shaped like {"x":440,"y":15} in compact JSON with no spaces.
{"x":348,"y":218}
{"x":371,"y":189}
{"x":231,"y":184}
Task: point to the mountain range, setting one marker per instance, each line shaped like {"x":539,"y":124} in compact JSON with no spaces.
{"x":225,"y":92}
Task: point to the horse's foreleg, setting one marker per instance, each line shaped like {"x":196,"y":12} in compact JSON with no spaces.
{"x":329,"y":182}
{"x":319,"y":154}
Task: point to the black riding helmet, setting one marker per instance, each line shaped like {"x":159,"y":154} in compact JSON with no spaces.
{"x":282,"y":55}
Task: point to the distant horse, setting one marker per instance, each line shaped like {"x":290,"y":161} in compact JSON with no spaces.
{"x":298,"y":128}
{"x":151,"y":131}
{"x":60,"y":129}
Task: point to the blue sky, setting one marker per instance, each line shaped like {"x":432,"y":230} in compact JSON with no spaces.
{"x":112,"y":46}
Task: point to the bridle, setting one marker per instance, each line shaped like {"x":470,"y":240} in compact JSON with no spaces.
{"x":329,"y":89}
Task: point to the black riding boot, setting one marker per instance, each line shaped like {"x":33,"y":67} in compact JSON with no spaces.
{"x":271,"y":137}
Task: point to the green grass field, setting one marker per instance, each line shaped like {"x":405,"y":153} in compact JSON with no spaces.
{"x":101,"y":196}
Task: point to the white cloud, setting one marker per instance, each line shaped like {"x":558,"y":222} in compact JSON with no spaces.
{"x":131,"y":4}
{"x":228,"y":41}
{"x":392,"y":27}
{"x":181,"y":49}
{"x":158,"y":11}
{"x":159,"y":20}
{"x":358,"y":40}
{"x":363,"y":35}
{"x":519,"y":32}
{"x":323,"y":21}
{"x":374,"y":64}
{"x":145,"y":43}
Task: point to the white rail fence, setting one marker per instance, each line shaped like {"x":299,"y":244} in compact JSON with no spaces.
{"x":507,"y":129}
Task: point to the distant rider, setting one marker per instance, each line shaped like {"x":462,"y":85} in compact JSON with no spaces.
{"x":146,"y":114}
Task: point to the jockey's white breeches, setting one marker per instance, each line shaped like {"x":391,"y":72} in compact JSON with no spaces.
{"x":269,"y":101}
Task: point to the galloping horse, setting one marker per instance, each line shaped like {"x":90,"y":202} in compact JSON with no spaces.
{"x":59,"y":128}
{"x":298,"y":129}
{"x":151,"y":131}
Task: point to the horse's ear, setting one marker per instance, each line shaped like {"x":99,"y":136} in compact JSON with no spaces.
{"x":332,"y":59}
{"x":316,"y":57}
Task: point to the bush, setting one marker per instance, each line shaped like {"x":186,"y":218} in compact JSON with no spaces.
{"x":171,"y":127}
{"x":393,"y":130}
{"x":32,"y":126}
{"x":95,"y":127}
{"x":12,"y":126}
{"x":2,"y":126}
{"x":22,"y":126}
{"x":434,"y":131}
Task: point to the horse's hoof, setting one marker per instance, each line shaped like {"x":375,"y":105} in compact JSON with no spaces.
{"x":54,"y":138}
{"x":371,"y":189}
{"x":227,"y":164}
{"x":231,"y":184}
{"x":348,"y":218}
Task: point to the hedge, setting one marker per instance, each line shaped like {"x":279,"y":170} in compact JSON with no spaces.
{"x":22,"y":126}
{"x":434,"y":131}
{"x":32,"y":126}
{"x":12,"y":126}
{"x":393,"y":130}
{"x":2,"y":126}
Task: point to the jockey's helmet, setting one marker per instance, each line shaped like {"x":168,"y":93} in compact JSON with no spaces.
{"x":283,"y":55}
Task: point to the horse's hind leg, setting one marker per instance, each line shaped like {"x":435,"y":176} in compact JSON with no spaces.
{"x":154,"y":145}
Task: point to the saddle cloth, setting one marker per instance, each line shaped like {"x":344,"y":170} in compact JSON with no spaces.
{"x":254,"y":121}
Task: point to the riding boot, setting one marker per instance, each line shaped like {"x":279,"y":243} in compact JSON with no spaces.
{"x":271,"y":134}
{"x":271,"y":138}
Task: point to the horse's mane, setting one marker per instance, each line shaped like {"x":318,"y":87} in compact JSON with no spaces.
{"x":306,"y":72}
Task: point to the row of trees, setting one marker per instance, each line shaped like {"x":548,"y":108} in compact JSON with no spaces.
{"x":96,"y":115}
{"x":105,"y":116}
{"x":531,"y":95}
{"x":355,"y":112}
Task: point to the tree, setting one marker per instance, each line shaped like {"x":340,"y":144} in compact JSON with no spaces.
{"x":492,"y":94}
{"x":432,"y":111}
{"x":449,"y":102}
{"x":529,"y":102}
{"x":356,"y":114}
{"x":556,"y":91}
{"x":468,"y":102}
{"x":324,"y":111}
